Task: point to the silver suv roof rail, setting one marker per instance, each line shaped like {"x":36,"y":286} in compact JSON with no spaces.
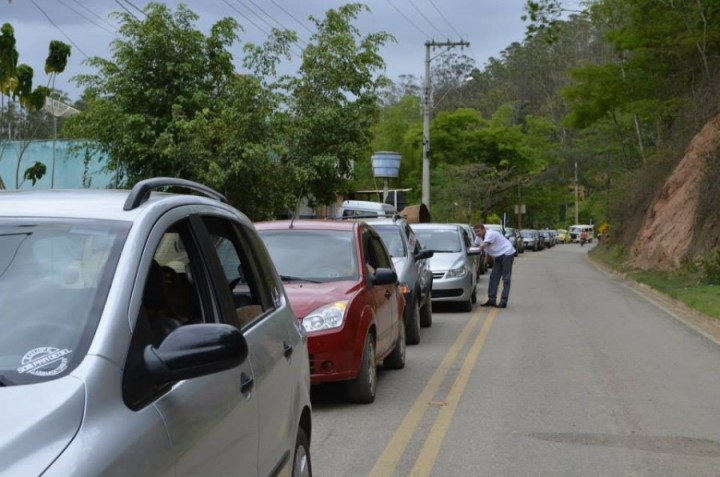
{"x":141,"y":191}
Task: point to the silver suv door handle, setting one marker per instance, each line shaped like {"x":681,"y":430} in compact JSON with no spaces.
{"x":246,"y":385}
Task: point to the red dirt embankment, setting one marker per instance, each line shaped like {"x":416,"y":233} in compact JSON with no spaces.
{"x":668,"y":229}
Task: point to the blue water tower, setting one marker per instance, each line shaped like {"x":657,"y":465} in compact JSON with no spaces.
{"x":386,"y":164}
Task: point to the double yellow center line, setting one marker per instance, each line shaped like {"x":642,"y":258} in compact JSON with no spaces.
{"x":388,"y":460}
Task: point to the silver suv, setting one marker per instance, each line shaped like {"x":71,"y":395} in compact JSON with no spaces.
{"x":145,"y":334}
{"x":413,"y":270}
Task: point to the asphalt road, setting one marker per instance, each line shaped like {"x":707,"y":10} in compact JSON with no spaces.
{"x":580,"y":375}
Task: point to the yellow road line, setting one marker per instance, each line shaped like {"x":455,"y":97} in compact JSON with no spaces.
{"x":388,"y":460}
{"x":426,"y":461}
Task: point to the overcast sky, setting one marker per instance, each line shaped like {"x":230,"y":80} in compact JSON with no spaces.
{"x":489,"y":25}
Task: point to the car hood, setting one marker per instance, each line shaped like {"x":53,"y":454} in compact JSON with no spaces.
{"x":443,"y":261}
{"x":306,"y":297}
{"x":38,"y":423}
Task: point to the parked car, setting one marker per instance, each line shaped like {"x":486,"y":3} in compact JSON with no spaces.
{"x":563,"y":236}
{"x":148,"y":334}
{"x":452,"y":263}
{"x":364,"y":209}
{"x":532,"y":240}
{"x":546,"y":238}
{"x":513,"y":235}
{"x":344,"y":289}
{"x":413,"y":270}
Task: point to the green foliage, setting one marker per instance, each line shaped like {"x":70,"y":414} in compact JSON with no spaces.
{"x":35,"y":172}
{"x":57,"y":57}
{"x":8,"y":60}
{"x":334,"y":103}
{"x":710,"y":265}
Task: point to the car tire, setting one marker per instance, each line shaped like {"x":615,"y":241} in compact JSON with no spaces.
{"x":473,"y":297}
{"x":426,"y":315}
{"x":396,"y":358}
{"x":362,"y":389}
{"x":412,"y":324}
{"x":302,"y":466}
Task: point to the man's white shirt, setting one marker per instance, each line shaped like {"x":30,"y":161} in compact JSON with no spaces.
{"x":497,"y":243}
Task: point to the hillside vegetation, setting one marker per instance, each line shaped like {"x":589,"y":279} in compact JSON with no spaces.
{"x":615,"y":91}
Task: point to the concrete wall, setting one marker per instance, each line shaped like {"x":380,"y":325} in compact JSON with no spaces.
{"x":69,"y":167}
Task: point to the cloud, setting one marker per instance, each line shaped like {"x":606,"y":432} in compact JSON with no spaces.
{"x":489,"y":25}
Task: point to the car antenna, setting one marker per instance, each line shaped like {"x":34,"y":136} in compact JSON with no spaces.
{"x":297,"y":206}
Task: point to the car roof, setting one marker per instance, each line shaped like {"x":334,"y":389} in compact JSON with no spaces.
{"x":102,"y":204}
{"x":435,"y":226}
{"x":306,"y":224}
{"x":385,"y":221}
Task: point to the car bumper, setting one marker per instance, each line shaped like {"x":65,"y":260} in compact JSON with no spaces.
{"x":332,"y":358}
{"x":452,"y":289}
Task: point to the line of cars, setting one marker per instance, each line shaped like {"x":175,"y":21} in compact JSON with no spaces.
{"x":188,"y":337}
{"x":363,"y":288}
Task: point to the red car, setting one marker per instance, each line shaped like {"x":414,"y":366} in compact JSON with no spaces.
{"x":342,"y":286}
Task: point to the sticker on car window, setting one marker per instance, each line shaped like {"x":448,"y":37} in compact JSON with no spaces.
{"x":44,"y":361}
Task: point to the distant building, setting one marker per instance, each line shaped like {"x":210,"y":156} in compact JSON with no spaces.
{"x":71,"y":171}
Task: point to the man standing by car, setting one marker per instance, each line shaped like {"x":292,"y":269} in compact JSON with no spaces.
{"x":497,"y":246}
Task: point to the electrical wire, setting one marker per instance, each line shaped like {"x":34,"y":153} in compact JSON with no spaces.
{"x":444,"y":18}
{"x":84,"y":17}
{"x":60,"y":30}
{"x":293,"y":17}
{"x":442,"y":34}
{"x":408,"y":19}
{"x":232,"y":7}
{"x":135,"y":7}
{"x":95,"y":14}
{"x":126,"y":10}
{"x":282,"y":27}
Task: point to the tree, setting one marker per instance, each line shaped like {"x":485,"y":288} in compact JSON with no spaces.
{"x":333,"y":103}
{"x":16,"y":89}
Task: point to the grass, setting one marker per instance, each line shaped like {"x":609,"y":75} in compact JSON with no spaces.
{"x":685,"y":285}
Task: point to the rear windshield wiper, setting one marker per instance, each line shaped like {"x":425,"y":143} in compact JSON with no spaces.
{"x":290,"y":278}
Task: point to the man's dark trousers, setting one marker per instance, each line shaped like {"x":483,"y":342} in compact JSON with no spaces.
{"x":502,"y":267}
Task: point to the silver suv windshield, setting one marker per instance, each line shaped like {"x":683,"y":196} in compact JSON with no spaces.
{"x":440,"y":240}
{"x":391,"y":236}
{"x":312,"y":255}
{"x":54,"y":279}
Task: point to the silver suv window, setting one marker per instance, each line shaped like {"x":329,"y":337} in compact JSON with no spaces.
{"x":54,"y":280}
{"x":391,"y":236}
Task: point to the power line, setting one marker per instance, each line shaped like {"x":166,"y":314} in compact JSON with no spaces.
{"x":444,"y":18}
{"x":283,"y":27}
{"x":84,"y":17}
{"x":94,"y":14}
{"x":135,"y":7}
{"x":254,"y":24}
{"x":293,"y":17}
{"x":426,"y":18}
{"x":60,"y":30}
{"x":408,"y":19}
{"x":126,"y":10}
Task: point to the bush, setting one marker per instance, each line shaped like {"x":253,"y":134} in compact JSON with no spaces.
{"x":710,"y":265}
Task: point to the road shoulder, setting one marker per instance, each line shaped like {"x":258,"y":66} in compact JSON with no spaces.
{"x":706,"y":326}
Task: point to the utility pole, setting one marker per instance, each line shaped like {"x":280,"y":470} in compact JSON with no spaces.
{"x":427,"y":110}
{"x":576,"y":196}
